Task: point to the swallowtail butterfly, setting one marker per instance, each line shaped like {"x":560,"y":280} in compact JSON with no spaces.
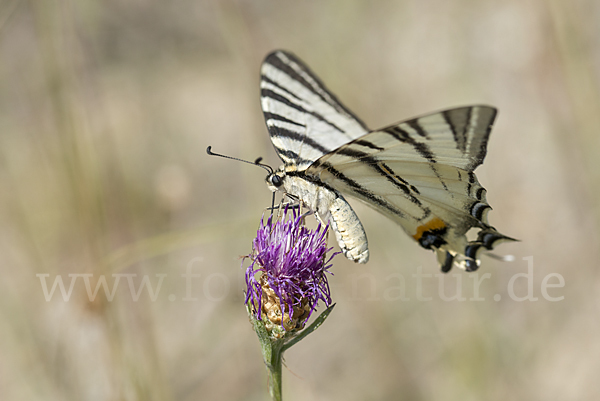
{"x":419,"y":172}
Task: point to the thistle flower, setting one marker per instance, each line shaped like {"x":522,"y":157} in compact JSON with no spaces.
{"x":291,"y":263}
{"x":285,"y":282}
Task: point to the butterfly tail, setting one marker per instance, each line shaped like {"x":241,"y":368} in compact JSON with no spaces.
{"x":486,"y":240}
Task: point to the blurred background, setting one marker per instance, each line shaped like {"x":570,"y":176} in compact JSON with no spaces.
{"x":106,"y":109}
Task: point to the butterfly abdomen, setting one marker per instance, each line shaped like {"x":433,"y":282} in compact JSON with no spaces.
{"x":349,"y":231}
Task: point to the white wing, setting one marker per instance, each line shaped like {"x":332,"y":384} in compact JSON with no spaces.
{"x":420,"y":174}
{"x":304,"y":119}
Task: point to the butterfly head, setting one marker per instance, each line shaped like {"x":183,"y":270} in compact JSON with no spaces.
{"x":275,"y":180}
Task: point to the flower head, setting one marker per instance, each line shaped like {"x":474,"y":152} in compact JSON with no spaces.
{"x":292,"y":263}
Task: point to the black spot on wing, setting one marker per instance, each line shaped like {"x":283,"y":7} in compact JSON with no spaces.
{"x":477,"y":209}
{"x":447,"y":263}
{"x":486,"y":238}
{"x":471,"y":182}
{"x":480,"y":192}
{"x":433,"y":238}
{"x":489,"y":236}
{"x":471,"y":263}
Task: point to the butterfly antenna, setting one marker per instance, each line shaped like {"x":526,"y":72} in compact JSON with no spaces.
{"x":265,"y":166}
{"x":257,"y":162}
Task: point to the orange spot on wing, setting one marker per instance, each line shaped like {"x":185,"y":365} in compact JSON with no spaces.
{"x":433,"y":224}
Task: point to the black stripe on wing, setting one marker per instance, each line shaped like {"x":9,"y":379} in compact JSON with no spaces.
{"x":279,"y":117}
{"x":267,"y":93}
{"x":471,"y":127}
{"x":298,"y":71}
{"x":455,"y":119}
{"x":290,"y":157}
{"x":280,"y":132}
{"x":352,"y":185}
{"x":414,"y":124}
{"x":403,"y":136}
{"x":479,"y":140}
{"x":266,"y":79}
{"x":422,"y":148}
{"x":381,"y":169}
{"x":302,"y":115}
{"x":468,"y":127}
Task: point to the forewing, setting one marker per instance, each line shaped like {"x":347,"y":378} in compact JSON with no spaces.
{"x":305,"y":120}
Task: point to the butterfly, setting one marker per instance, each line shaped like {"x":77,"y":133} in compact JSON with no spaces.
{"x":419,"y":172}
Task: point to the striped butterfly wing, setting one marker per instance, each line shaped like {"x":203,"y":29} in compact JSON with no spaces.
{"x":420,"y":174}
{"x":305,"y":120}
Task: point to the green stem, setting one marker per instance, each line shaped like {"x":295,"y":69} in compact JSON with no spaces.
{"x":272,"y":352}
{"x":274,"y":370}
{"x":273,"y":348}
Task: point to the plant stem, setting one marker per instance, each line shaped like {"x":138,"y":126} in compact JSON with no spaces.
{"x":272,"y":352}
{"x":273,"y":348}
{"x":274,"y":370}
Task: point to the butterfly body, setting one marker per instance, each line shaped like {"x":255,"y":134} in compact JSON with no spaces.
{"x":329,"y":206}
{"x":419,"y":173}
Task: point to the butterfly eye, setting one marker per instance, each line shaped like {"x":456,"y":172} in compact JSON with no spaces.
{"x":276,"y":180}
